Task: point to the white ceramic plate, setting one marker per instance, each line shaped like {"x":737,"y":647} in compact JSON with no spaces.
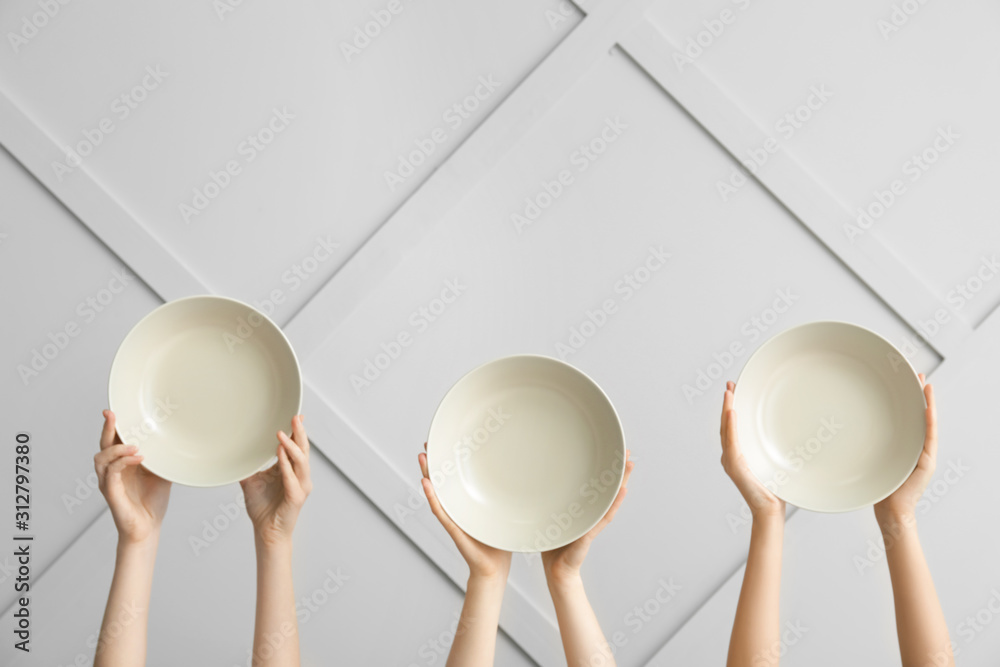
{"x":201,"y":385}
{"x":830,"y":416}
{"x":526,"y":453}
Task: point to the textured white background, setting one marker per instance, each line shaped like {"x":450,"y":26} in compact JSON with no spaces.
{"x":562,"y":73}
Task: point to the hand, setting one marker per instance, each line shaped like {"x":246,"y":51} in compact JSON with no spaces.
{"x":563,"y":564}
{"x":137,"y":497}
{"x":903,"y":501}
{"x":484,"y":561}
{"x":762,"y":502}
{"x":275,"y":496}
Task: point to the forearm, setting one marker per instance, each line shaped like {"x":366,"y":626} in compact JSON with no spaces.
{"x":756,"y":627}
{"x":920,"y":623}
{"x":582,"y":637}
{"x":476,"y":634}
{"x":122,"y":640}
{"x":276,"y":633}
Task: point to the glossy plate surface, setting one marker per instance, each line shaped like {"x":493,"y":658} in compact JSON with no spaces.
{"x":830,"y":416}
{"x":201,"y":385}
{"x":526,"y":453}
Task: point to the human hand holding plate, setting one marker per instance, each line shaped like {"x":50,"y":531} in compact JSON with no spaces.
{"x":563,"y":564}
{"x":275,"y":496}
{"x":762,"y":502}
{"x":137,"y":497}
{"x":902,"y":503}
{"x":484,"y":561}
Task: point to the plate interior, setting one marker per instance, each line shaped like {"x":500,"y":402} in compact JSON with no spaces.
{"x":201,"y":385}
{"x":830,"y":416}
{"x":526,"y":453}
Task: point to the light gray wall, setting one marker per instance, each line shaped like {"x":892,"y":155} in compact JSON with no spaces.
{"x":559,"y":74}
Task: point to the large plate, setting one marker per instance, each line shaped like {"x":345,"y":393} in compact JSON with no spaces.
{"x":201,"y":385}
{"x":526,"y":453}
{"x":830,"y":416}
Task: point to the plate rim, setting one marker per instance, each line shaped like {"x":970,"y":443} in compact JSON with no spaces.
{"x":614,"y":412}
{"x":913,"y":373}
{"x":206,"y":297}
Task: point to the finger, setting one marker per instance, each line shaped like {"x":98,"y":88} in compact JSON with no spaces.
{"x":931,"y":440}
{"x":425,"y":446}
{"x":299,"y":434}
{"x":730,"y":441}
{"x":108,"y":432}
{"x":727,"y":404}
{"x":288,"y":478}
{"x":920,"y":376}
{"x":294,"y":451}
{"x":629,"y":465}
{"x":422,"y":459}
{"x":619,"y":499}
{"x":104,"y":457}
{"x":298,"y":458}
{"x":450,"y":526}
{"x":116,"y":467}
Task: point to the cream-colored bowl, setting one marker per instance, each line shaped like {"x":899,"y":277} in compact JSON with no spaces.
{"x":526,"y":453}
{"x":830,"y":416}
{"x":201,"y":385}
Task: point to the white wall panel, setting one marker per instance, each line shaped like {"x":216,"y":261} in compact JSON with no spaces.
{"x":312,"y":221}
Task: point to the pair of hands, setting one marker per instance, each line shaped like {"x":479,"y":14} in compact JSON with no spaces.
{"x":138,"y":498}
{"x":899,"y":506}
{"x":561,"y":565}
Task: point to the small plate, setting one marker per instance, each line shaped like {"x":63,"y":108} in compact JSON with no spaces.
{"x":526,"y":453}
{"x":201,"y":385}
{"x":830,"y":416}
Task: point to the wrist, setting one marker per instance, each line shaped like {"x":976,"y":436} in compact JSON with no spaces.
{"x":895,"y":522}
{"x":146,"y":543}
{"x":770,"y":517}
{"x":269,"y":543}
{"x":491,"y":580}
{"x":563,"y":581}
